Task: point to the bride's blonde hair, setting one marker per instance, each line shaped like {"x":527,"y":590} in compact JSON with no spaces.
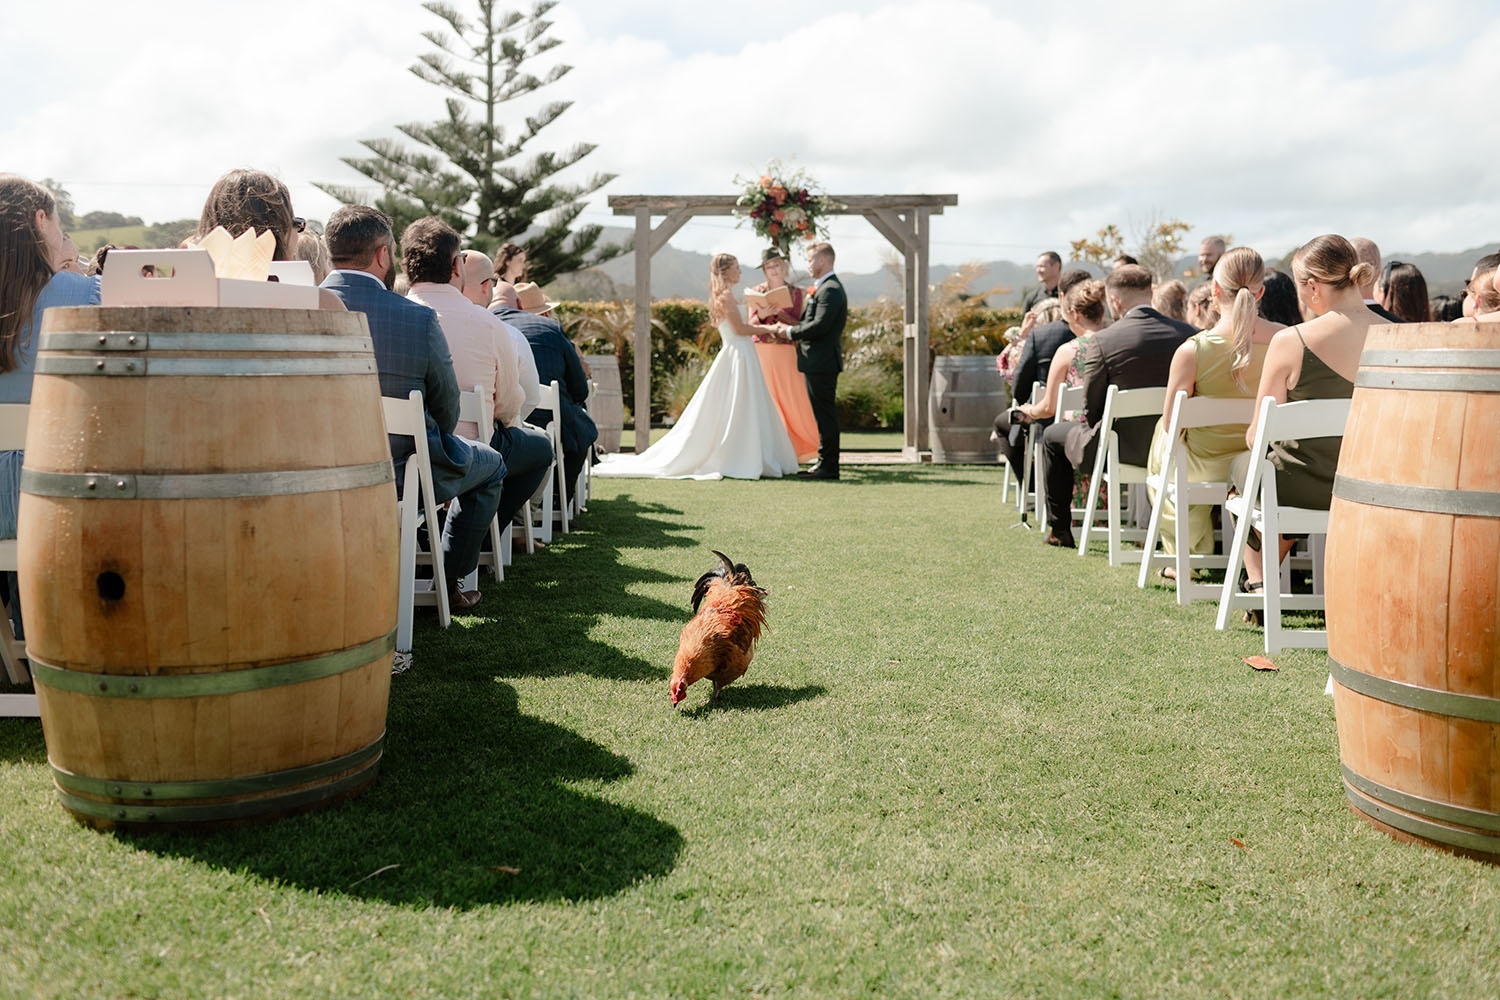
{"x":719,"y":287}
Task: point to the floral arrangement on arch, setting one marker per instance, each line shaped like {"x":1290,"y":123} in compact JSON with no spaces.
{"x":784,"y":206}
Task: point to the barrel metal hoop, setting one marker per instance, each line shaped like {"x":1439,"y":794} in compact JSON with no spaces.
{"x":1438,"y":358}
{"x":221,"y":683}
{"x":83,"y":364}
{"x":152,"y":801}
{"x":1427,"y":499}
{"x":1431,"y":808}
{"x":1476,"y":707}
{"x":1425,"y":828}
{"x":204,"y":486}
{"x":1428,"y":381}
{"x":126,"y":340}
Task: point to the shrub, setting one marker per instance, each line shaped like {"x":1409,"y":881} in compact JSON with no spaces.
{"x":869,"y":396}
{"x":680,"y":335}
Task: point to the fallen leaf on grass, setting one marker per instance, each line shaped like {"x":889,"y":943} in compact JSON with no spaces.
{"x":1238,"y":843}
{"x":1260,"y":663}
{"x":377,"y":871}
{"x":505,"y":869}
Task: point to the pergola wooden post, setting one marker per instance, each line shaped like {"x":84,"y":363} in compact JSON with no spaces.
{"x":903,"y":219}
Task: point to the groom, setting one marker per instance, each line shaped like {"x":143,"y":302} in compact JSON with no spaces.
{"x":820,"y":355}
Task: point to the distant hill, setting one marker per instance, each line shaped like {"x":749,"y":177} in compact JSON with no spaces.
{"x":684,"y":274}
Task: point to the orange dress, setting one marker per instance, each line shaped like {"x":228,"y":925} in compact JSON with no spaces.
{"x":788,"y":388}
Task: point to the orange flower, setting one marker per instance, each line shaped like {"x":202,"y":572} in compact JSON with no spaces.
{"x":779,"y":193}
{"x":765,"y":182}
{"x":773,"y":229}
{"x":802,"y":226}
{"x":779,"y":215}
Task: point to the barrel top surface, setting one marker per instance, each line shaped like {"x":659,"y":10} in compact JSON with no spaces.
{"x":1433,"y":336}
{"x":204,"y":319}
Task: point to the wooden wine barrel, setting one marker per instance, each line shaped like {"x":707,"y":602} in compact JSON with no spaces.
{"x":1413,"y":587}
{"x":208,"y":548}
{"x":608,"y":405}
{"x":965,"y":396}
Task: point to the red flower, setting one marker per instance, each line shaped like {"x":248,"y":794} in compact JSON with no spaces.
{"x":773,"y":229}
{"x":779,"y":215}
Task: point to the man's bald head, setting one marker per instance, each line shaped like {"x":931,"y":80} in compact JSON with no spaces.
{"x":478,"y":274}
{"x":505,"y":295}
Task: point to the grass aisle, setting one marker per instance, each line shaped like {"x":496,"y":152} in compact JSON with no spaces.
{"x":962,"y":764}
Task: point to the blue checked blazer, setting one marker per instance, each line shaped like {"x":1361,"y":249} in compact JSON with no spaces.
{"x":556,"y":360}
{"x":411,"y":353}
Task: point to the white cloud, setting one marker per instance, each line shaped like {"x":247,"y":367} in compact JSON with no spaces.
{"x":1274,"y":122}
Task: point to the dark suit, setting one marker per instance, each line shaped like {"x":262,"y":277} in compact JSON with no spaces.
{"x":557,"y":360}
{"x":412,"y":353}
{"x":820,"y":358}
{"x":1382,"y":312}
{"x":1134,"y":353}
{"x":1033,"y":365}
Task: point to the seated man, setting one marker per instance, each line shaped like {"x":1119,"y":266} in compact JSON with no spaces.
{"x":556,"y":361}
{"x":1133,"y":353}
{"x":483,"y":355}
{"x":410,"y":353}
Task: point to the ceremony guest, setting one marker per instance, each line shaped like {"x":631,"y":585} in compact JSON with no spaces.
{"x":481,"y":288}
{"x":1482,"y":266}
{"x":778,"y":358}
{"x":1122,"y":260}
{"x":1170,"y":299}
{"x":311,"y":248}
{"x":1223,"y":362}
{"x":1317,"y":359}
{"x":252,"y":199}
{"x":483,"y":355}
{"x":1134,"y":352}
{"x":1403,"y":293}
{"x":1209,"y":252}
{"x":1200,"y":310}
{"x":1048,"y":273}
{"x":556,"y":360}
{"x":1446,"y":308}
{"x":411,"y":353}
{"x":33,"y":250}
{"x":1278,"y":300}
{"x":1034,"y":365}
{"x":510,"y":264}
{"x":1369,"y":253}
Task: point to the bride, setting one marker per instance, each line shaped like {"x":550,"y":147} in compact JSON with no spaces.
{"x":730,"y":427}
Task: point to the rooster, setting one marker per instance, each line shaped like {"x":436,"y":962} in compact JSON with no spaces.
{"x":729,"y":611}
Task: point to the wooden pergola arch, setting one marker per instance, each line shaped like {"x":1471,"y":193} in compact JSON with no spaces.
{"x":904,"y":219}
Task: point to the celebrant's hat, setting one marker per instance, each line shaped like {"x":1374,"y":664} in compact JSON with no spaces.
{"x":532,"y":299}
{"x":769,"y":254}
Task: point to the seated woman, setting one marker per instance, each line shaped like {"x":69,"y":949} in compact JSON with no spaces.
{"x":36,"y":276}
{"x":1223,"y":361}
{"x":1317,"y":359}
{"x":1402,"y":291}
{"x":252,"y":199}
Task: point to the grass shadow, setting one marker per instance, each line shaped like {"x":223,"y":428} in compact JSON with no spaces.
{"x":756,"y":698}
{"x":906,"y":475}
{"x":21,"y":738}
{"x":472,"y":808}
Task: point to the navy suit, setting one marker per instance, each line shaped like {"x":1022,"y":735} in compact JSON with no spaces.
{"x":820,"y":358}
{"x":412,"y":353}
{"x":558,"y":361}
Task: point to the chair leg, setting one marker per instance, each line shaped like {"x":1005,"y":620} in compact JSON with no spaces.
{"x":406,"y":599}
{"x":1236,"y":556}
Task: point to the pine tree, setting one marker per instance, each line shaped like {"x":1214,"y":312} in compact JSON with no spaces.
{"x":470,"y":171}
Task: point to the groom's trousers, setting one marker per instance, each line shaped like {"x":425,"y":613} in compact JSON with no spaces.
{"x":822,"y":389}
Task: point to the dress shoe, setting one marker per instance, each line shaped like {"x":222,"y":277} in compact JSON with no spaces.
{"x":463,"y":600}
{"x":1064,"y":541}
{"x":818,"y":471}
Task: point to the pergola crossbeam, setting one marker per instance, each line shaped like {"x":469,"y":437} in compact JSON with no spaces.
{"x":903,"y":219}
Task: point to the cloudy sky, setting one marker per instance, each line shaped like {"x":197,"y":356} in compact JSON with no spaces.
{"x":1273,"y":121}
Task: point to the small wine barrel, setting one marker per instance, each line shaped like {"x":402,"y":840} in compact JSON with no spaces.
{"x":608,"y":405}
{"x":208,"y":549}
{"x":966,"y":395}
{"x":1413,"y":587}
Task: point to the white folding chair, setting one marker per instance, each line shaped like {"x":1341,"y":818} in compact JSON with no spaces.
{"x":478,"y":407}
{"x":1173,"y":485}
{"x":406,"y":417}
{"x":1028,"y":466}
{"x":1313,"y":418}
{"x":12,"y":652}
{"x":584,"y":490}
{"x":1119,"y":404}
{"x":1069,"y":399}
{"x":545,"y":502}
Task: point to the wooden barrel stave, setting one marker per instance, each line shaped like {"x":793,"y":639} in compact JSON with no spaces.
{"x":1414,"y":597}
{"x":215,"y":589}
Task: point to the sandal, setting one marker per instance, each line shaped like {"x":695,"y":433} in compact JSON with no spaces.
{"x":1255,"y":616}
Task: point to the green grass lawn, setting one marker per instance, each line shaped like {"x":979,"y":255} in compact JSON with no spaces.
{"x":962,"y":764}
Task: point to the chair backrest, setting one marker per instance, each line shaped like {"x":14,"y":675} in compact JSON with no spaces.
{"x":1069,"y":397}
{"x":551,"y":399}
{"x":1038,"y":391}
{"x":478,"y":408}
{"x":1210,"y":411}
{"x":13,"y":426}
{"x":1122,"y":404}
{"x":1311,"y":418}
{"x":405,"y":416}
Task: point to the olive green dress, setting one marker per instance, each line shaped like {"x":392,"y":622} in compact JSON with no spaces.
{"x":1209,"y":449}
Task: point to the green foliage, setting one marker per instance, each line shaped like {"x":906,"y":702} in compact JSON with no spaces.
{"x":1158,"y":243}
{"x":680,"y":333}
{"x":869,"y":396}
{"x":673,"y":392}
{"x":88,"y":241}
{"x":466,"y":168}
{"x":168,"y":234}
{"x":108,"y":220}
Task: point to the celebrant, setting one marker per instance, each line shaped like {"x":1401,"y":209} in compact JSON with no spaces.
{"x":775,"y":301}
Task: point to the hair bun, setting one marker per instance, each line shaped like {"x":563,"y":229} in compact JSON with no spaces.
{"x":1362,"y":273}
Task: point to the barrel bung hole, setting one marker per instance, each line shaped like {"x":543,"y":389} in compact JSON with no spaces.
{"x":111,"y":586}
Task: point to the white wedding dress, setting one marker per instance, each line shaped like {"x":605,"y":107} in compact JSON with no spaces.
{"x":730,"y":428}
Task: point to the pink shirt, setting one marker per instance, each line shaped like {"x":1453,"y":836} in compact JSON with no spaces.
{"x":482,"y":349}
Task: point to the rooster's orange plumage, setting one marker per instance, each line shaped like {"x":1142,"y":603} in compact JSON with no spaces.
{"x":729,"y":611}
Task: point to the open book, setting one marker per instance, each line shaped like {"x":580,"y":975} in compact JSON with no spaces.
{"x":770,"y":302}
